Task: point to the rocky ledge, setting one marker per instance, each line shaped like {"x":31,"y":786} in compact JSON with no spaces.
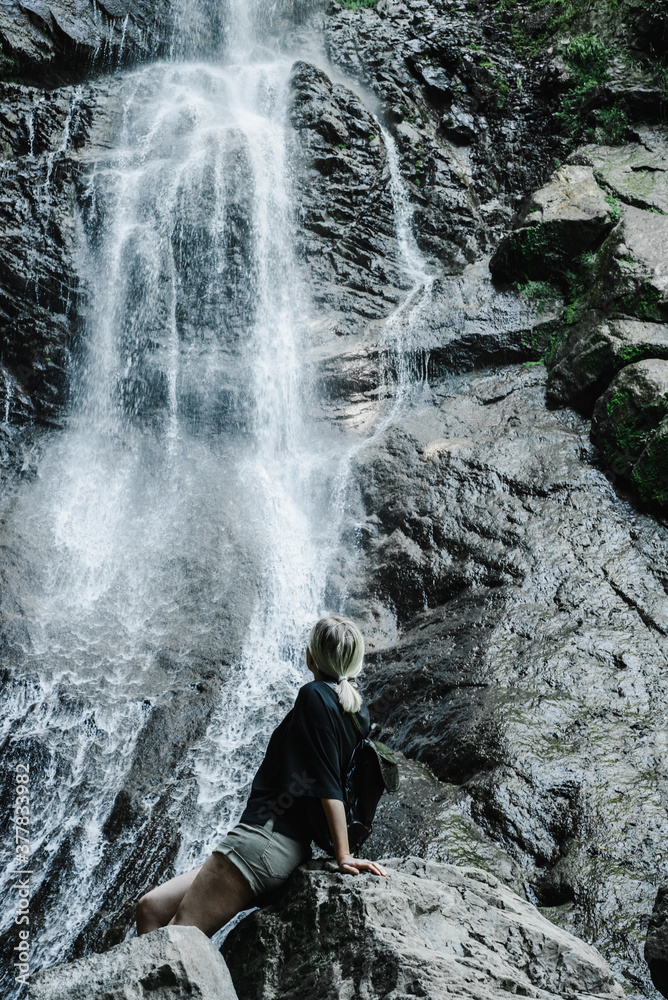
{"x":598,"y":230}
{"x":169,"y":964}
{"x":428,"y":930}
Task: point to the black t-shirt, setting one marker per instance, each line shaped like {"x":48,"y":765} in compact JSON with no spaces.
{"x":306,"y":760}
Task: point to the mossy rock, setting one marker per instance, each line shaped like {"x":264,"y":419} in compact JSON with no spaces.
{"x":595,"y":350}
{"x":566,"y":218}
{"x":630,"y":427}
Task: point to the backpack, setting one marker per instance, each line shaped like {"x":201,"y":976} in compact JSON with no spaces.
{"x":373,"y":768}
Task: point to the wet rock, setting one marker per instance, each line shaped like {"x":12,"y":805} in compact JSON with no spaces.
{"x":656,"y":945}
{"x":562,"y":220}
{"x":55,"y":41}
{"x":169,"y":964}
{"x":635,"y":265}
{"x":635,"y":174}
{"x":468,"y":117}
{"x":431,"y":819}
{"x":528,"y":668}
{"x":345,"y":202}
{"x":595,"y":350}
{"x":428,"y":929}
{"x":630,"y":427}
{"x":48,"y":139}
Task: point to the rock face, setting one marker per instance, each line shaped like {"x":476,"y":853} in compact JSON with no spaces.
{"x":567,"y":217}
{"x":529,"y":671}
{"x":656,"y":946}
{"x":600,"y":227}
{"x":513,"y":595}
{"x":172,"y":963}
{"x":630,"y":426}
{"x":595,"y":350}
{"x":428,"y":929}
{"x":57,"y":40}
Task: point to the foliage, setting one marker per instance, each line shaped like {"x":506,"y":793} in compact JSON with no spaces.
{"x":587,"y":56}
{"x":615,"y":210}
{"x":357,"y":4}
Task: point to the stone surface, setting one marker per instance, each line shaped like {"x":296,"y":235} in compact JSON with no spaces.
{"x":635,"y":174}
{"x":630,"y":427}
{"x":427,"y":929}
{"x":565,"y":218}
{"x":173,"y":963}
{"x":594,"y":350}
{"x":514,"y":597}
{"x":529,"y":665}
{"x":656,"y":945}
{"x":459,"y":104}
{"x":54,"y":41}
{"x":431,"y":819}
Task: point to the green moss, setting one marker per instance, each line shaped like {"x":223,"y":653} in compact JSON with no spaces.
{"x":615,"y":210}
{"x":645,"y":303}
{"x":650,"y":475}
{"x":357,"y":4}
{"x":615,"y":401}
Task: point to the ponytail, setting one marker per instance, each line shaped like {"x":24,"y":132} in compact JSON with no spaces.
{"x":337,"y":648}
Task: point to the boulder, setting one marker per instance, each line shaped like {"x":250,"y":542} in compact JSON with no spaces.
{"x":656,"y":945}
{"x":633,"y":173}
{"x":173,"y":963}
{"x":595,"y":350}
{"x":635,"y":267}
{"x":428,"y":929}
{"x":630,"y":427}
{"x":564,"y":219}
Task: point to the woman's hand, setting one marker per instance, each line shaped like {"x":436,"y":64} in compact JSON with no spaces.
{"x":354,"y":866}
{"x":336,"y":820}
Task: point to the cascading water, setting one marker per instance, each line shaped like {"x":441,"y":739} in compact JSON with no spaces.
{"x":187,"y":513}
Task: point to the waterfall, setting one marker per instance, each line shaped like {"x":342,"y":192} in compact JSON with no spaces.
{"x":190,"y":505}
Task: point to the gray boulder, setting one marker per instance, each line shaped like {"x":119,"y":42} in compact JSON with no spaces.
{"x":428,"y":929}
{"x":173,"y":963}
{"x":595,"y":349}
{"x":565,"y":218}
{"x":656,"y":945}
{"x":636,"y":267}
{"x":630,"y":427}
{"x":635,"y":174}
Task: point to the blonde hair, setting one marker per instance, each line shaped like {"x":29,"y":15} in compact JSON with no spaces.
{"x":337,"y":648}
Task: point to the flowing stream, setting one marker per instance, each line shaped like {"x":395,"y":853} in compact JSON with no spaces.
{"x":189,"y":511}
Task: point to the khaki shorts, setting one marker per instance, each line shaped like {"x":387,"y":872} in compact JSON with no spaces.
{"x":265,"y":858}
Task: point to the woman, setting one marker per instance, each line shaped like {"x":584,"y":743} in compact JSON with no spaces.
{"x":296,"y":796}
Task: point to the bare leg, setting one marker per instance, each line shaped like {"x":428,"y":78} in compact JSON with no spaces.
{"x":157,"y":907}
{"x":216,"y":895}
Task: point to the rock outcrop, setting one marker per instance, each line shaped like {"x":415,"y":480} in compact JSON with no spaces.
{"x":599,"y":228}
{"x":529,"y":670}
{"x":427,"y":929}
{"x":595,"y":350}
{"x":565,"y":218}
{"x":173,"y":963}
{"x":656,"y":945}
{"x":630,"y":426}
{"x":56,"y":41}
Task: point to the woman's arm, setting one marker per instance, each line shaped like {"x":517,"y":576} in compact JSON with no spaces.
{"x":335,"y":814}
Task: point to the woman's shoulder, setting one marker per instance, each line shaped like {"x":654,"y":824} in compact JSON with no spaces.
{"x":316,"y":692}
